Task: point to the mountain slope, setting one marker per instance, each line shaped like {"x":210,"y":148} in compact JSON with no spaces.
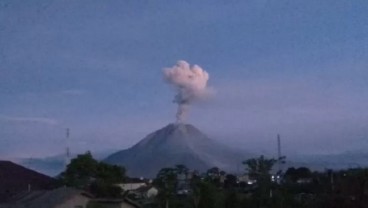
{"x":172,"y":145}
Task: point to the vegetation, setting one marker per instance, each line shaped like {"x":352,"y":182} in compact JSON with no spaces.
{"x":166,"y":180}
{"x":180,"y":187}
{"x":299,"y":187}
{"x":84,"y":172}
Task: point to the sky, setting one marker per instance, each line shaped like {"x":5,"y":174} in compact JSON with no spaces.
{"x":289,"y":67}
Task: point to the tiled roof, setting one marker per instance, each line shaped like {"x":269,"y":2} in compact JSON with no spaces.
{"x":15,"y":179}
{"x":42,"y":198}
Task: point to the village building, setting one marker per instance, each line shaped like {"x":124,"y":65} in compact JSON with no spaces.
{"x":15,"y":179}
{"x":63,"y":197}
{"x":114,"y":203}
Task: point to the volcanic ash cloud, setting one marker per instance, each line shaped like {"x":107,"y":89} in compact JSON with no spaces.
{"x":190,"y":83}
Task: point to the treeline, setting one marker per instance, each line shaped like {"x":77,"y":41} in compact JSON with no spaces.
{"x":180,"y":187}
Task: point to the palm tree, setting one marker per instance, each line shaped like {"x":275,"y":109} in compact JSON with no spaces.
{"x":259,"y":169}
{"x":166,"y":181}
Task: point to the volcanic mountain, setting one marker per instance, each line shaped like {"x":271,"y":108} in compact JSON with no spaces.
{"x":172,"y":145}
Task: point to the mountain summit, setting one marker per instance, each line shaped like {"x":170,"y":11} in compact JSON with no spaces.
{"x":172,"y":145}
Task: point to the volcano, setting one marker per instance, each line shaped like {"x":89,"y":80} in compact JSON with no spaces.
{"x":172,"y":145}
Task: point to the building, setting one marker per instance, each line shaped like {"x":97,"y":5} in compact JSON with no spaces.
{"x":245,"y":179}
{"x":15,"y":179}
{"x":145,"y":192}
{"x":58,"y":198}
{"x":113,"y":203}
{"x":131,"y":186}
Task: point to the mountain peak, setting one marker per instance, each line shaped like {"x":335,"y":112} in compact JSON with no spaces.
{"x":174,"y":135}
{"x":181,"y":127}
{"x":176,"y":143}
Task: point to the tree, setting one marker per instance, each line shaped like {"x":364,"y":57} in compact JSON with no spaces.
{"x":110,"y":173}
{"x":166,"y":181}
{"x":196,"y":191}
{"x":84,"y":172}
{"x":354,"y":182}
{"x":231,"y":200}
{"x":181,"y":169}
{"x":293,"y":174}
{"x":230,"y":181}
{"x":81,"y":171}
{"x":214,"y":174}
{"x":207,"y":195}
{"x":259,"y":169}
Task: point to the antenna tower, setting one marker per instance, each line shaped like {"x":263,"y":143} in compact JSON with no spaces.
{"x":279,"y":157}
{"x":67,"y":150}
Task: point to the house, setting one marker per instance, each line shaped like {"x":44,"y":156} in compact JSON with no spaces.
{"x":113,"y":203}
{"x":183,"y":182}
{"x":222,"y":179}
{"x":15,"y":179}
{"x":245,"y":179}
{"x":131,"y":186}
{"x":63,"y":197}
{"x":145,"y":192}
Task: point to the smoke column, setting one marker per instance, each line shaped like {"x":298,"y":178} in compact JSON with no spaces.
{"x":190,"y":83}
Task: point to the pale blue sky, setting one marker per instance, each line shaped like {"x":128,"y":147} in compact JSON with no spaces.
{"x":298,"y":68}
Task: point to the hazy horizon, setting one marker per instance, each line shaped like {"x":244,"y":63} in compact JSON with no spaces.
{"x":294,"y":68}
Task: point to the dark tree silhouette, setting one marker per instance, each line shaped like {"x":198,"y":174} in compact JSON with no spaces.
{"x":85,"y":172}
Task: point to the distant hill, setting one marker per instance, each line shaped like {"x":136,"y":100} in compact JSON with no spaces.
{"x":176,"y":144}
{"x":320,"y":162}
{"x":51,"y":166}
{"x":54,"y":165}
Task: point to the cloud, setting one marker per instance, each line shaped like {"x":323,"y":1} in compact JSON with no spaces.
{"x":37,"y":120}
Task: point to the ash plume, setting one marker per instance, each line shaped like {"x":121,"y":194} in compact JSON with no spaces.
{"x":190,"y":83}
